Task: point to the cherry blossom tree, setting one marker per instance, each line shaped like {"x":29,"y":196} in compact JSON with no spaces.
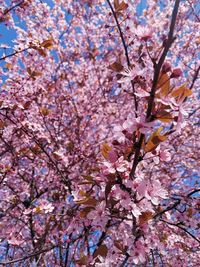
{"x":99,"y":126}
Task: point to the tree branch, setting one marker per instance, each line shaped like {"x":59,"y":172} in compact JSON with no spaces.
{"x":125,"y":50}
{"x":167,"y":209}
{"x":195,"y":77}
{"x":7,"y":10}
{"x":125,"y":260}
{"x":182,"y":228}
{"x":27,"y":256}
{"x":157,"y":69}
{"x":15,"y":53}
{"x":121,"y":34}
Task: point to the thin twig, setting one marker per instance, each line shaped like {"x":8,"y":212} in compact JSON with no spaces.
{"x":27,"y":256}
{"x":195,"y":77}
{"x":12,"y":7}
{"x":182,"y":228}
{"x":125,"y":50}
{"x":15,"y":53}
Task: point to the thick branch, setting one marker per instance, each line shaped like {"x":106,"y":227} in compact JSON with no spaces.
{"x":157,"y":69}
{"x":195,"y":77}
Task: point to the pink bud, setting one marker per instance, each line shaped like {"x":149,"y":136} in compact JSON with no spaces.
{"x":166,"y":67}
{"x":112,"y":156}
{"x":115,"y":143}
{"x":176,"y":73}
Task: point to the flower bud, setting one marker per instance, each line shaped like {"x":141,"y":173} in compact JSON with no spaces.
{"x":115,"y":143}
{"x":176,"y":73}
{"x":166,"y":67}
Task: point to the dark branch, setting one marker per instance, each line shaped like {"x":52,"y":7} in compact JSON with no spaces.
{"x":121,"y":34}
{"x":168,"y":209}
{"x":14,"y":53}
{"x":157,"y":69}
{"x":182,"y":228}
{"x":12,"y":8}
{"x":193,"y":192}
{"x":125,"y":50}
{"x":125,"y":260}
{"x":195,"y":77}
{"x":27,"y":256}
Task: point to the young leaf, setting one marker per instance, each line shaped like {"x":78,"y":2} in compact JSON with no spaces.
{"x":145,"y":217}
{"x":41,"y":52}
{"x":119,"y":244}
{"x":116,"y":66}
{"x":154,"y":140}
{"x":164,"y":116}
{"x":87,"y":201}
{"x":116,"y":4}
{"x":108,"y":188}
{"x":33,"y":74}
{"x":181,"y":91}
{"x":8,"y":66}
{"x":101,"y":251}
{"x":164,"y":84}
{"x":122,"y":6}
{"x":47,"y":44}
{"x":105,"y":149}
{"x":84,"y":212}
{"x":45,"y":111}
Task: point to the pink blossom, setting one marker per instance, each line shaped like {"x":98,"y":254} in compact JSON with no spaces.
{"x":138,"y":253}
{"x":118,"y":133}
{"x":45,"y":207}
{"x":142,"y":93}
{"x":125,"y":200}
{"x":112,"y":156}
{"x":120,"y":165}
{"x":154,"y":192}
{"x":98,"y":215}
{"x":144,"y":33}
{"x":142,"y":187}
{"x":129,"y":74}
{"x":161,"y":155}
{"x":180,"y":121}
{"x":140,"y":124}
{"x":165,"y":155}
{"x":15,"y":241}
{"x":135,"y":210}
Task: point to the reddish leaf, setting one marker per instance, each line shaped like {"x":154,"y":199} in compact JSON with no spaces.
{"x":154,"y":140}
{"x":101,"y":251}
{"x":105,"y":149}
{"x":164,"y":116}
{"x":145,"y":217}
{"x":164,"y":84}
{"x":181,"y":91}
{"x":47,"y":44}
{"x":116,"y":66}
